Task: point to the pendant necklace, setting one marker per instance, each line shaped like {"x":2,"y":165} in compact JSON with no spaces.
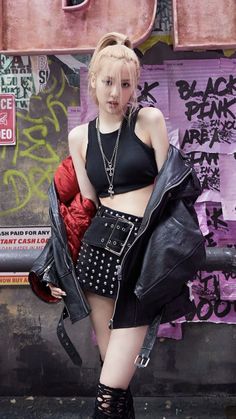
{"x":109,"y":165}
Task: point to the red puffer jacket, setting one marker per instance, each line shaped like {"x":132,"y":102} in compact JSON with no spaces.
{"x":75,"y":210}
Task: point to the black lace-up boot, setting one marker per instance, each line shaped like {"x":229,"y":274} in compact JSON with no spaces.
{"x":114,"y":403}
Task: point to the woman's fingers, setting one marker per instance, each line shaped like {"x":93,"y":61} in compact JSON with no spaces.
{"x":56,"y":292}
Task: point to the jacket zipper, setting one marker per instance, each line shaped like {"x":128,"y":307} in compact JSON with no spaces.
{"x":48,"y":267}
{"x":137,"y":238}
{"x":114,"y":309}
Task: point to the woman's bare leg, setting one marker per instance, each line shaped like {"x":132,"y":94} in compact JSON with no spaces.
{"x":118,"y":348}
{"x":102,"y":309}
{"x":123,"y":347}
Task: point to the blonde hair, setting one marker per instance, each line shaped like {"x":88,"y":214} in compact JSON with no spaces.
{"x":118,"y":48}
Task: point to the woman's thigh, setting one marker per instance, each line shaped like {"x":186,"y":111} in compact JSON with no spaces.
{"x":102,"y":310}
{"x":124,"y":345}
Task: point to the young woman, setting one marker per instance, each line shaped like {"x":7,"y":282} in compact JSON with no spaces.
{"x":116,"y":158}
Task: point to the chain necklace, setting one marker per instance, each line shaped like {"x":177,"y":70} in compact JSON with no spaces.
{"x":109,"y":165}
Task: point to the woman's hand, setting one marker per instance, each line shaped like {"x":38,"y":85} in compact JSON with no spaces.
{"x":56,"y":292}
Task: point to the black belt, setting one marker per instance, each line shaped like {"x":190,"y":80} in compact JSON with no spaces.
{"x":141,"y":360}
{"x":143,"y":357}
{"x":65,"y":340}
{"x":108,"y":232}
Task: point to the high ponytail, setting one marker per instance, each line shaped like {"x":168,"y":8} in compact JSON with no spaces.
{"x":113,"y":38}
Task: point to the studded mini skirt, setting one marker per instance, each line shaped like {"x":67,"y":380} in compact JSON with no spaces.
{"x":104,"y":244}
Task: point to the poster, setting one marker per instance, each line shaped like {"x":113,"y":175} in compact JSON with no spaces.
{"x":203,"y":104}
{"x":7,"y":119}
{"x":21,"y":238}
{"x":16,"y":78}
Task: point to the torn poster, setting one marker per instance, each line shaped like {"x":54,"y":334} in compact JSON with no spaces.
{"x":227,"y":166}
{"x":203,"y":104}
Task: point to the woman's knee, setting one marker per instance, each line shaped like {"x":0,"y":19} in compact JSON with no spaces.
{"x":123,"y":348}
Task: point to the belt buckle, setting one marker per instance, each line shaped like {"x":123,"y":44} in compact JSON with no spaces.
{"x":123,"y":220}
{"x":141,"y":361}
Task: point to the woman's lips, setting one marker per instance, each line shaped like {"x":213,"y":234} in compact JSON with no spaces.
{"x":113,"y":103}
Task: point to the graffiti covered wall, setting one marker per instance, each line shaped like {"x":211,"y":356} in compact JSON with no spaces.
{"x":41,"y":138}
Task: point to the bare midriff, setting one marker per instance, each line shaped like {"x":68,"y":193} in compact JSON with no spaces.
{"x":132,"y":202}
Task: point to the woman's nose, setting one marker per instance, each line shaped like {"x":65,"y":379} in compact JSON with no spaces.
{"x":114,"y":90}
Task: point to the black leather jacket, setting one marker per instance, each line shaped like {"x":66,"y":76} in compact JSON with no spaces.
{"x":169,"y":248}
{"x":166,"y":253}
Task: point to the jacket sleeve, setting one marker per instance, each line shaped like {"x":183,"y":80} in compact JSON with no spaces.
{"x":190,"y":189}
{"x":42,"y":272}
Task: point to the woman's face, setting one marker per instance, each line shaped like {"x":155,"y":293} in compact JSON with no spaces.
{"x":113,"y":86}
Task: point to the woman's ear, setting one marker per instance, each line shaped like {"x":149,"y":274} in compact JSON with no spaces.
{"x":93,"y":81}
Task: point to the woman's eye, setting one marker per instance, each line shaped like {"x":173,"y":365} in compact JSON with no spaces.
{"x":125,"y":85}
{"x":107,"y":82}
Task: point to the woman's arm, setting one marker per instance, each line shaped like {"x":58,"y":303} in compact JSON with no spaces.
{"x":78,"y":139}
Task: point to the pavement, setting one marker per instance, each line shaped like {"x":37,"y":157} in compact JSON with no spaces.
{"x":29,"y":407}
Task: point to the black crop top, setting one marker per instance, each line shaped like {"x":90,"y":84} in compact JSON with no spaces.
{"x":135,"y":165}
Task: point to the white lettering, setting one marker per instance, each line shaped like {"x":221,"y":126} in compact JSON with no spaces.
{"x":6,"y":134}
{"x":6,"y":103}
